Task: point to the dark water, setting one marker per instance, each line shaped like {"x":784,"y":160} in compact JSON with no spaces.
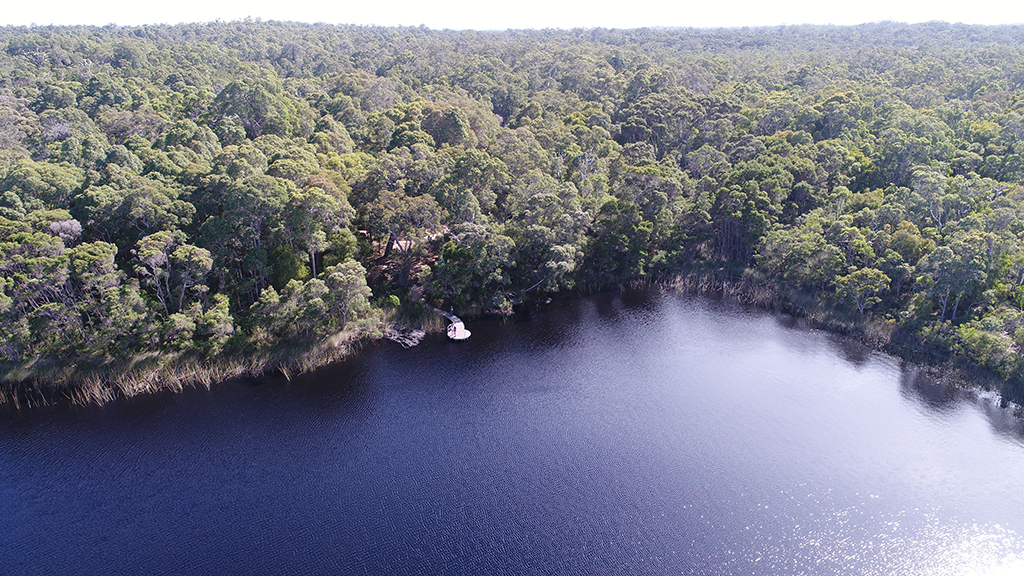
{"x":623,"y":434}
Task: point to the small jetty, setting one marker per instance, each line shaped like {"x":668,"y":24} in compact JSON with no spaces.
{"x":456,"y":330}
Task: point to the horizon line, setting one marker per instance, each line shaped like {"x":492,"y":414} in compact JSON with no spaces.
{"x":260,"y":20}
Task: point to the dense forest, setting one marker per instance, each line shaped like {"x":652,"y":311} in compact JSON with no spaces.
{"x":216,"y":190}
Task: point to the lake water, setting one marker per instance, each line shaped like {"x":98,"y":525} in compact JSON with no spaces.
{"x":636,"y":433}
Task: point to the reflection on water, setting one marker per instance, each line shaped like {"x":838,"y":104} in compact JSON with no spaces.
{"x":624,"y":433}
{"x":944,"y":399}
{"x":934,"y":396}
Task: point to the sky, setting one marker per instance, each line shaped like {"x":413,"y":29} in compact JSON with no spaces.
{"x":483,"y":15}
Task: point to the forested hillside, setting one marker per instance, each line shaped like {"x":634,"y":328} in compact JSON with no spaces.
{"x":220,"y":189}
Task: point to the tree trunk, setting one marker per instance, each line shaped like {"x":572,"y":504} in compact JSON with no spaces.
{"x":956,"y":305}
{"x":181,"y":299}
{"x":945,"y":302}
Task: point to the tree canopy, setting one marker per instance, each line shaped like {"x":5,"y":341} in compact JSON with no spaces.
{"x":220,"y":188}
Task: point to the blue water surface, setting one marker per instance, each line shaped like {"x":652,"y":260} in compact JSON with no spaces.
{"x":628,"y":433}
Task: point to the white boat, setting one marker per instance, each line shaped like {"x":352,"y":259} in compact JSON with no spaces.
{"x":457,"y":330}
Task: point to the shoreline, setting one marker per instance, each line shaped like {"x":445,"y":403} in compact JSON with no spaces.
{"x":146,"y":374}
{"x":877,"y":335}
{"x":128,"y":379}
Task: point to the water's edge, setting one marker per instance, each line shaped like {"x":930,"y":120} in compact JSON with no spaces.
{"x":176,"y":374}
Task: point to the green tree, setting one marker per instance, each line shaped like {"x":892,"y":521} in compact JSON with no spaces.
{"x":620,"y":247}
{"x":154,"y":252}
{"x":191,"y":265}
{"x":952,"y":272}
{"x":260,"y":104}
{"x":474,"y":267}
{"x":862,"y":287}
{"x":405,"y":221}
{"x":348,"y":295}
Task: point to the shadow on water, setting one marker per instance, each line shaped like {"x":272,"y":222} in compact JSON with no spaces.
{"x":937,"y":397}
{"x":611,"y":304}
{"x":543,"y":325}
{"x":851,"y":351}
{"x":944,"y":399}
{"x":343,"y":382}
{"x":137,"y":408}
{"x":790,"y":322}
{"x":335,"y":389}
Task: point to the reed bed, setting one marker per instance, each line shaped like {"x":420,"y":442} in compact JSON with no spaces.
{"x":740,"y":289}
{"x":148,"y":373}
{"x":44,"y":382}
